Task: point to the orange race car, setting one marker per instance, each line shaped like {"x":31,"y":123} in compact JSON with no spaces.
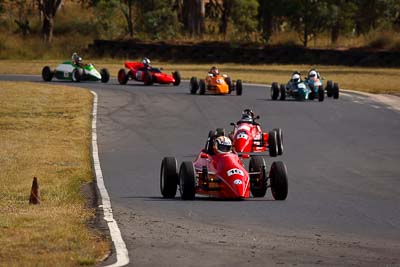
{"x":215,"y":83}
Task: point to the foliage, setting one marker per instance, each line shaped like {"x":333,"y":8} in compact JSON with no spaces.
{"x":244,"y":17}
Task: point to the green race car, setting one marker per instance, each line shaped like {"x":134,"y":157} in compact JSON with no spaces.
{"x":69,"y":71}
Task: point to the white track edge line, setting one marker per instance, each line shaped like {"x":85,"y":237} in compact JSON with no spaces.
{"x":119,"y":244}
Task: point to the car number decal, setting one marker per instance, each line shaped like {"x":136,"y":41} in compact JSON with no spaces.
{"x":237,"y":181}
{"x":235,"y":171}
{"x":66,"y":74}
{"x":242,"y":135}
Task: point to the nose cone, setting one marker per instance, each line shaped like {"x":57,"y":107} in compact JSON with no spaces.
{"x":242,"y":142}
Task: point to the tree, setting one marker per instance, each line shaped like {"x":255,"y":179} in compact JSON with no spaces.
{"x":49,"y":10}
{"x":127,"y":10}
{"x":193,"y":17}
{"x":244,"y":17}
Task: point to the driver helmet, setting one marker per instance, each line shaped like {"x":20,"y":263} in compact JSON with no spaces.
{"x":74,"y":56}
{"x":222,"y":144}
{"x":312,"y":74}
{"x":79,"y":60}
{"x":247,"y":116}
{"x":146,"y":61}
{"x":296,"y":76}
{"x":214,"y":70}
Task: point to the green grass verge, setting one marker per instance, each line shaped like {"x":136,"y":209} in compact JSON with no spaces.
{"x":45,"y":131}
{"x":373,"y":80}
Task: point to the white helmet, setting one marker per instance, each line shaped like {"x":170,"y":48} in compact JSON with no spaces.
{"x":222,"y":144}
{"x":312,"y":74}
{"x":296,"y":77}
{"x":146,"y":61}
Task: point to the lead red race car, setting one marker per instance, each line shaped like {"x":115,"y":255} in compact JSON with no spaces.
{"x":219,"y":172}
{"x":144,"y":72}
{"x":248,"y":137}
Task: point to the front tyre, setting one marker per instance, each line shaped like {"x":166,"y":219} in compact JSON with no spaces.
{"x":177,"y":78}
{"x":258,"y":185}
{"x":321,"y":94}
{"x":169,"y":177}
{"x":122,"y":76}
{"x":187,"y":177}
{"x":194,"y":85}
{"x":335,"y":91}
{"x":76,"y":75}
{"x":283,"y":92}
{"x":329,"y":88}
{"x":47,"y":74}
{"x":202,"y":86}
{"x":279,"y":139}
{"x":105,"y":75}
{"x":239,"y":87}
{"x":272,"y":144}
{"x":279,"y":181}
{"x":274,"y":91}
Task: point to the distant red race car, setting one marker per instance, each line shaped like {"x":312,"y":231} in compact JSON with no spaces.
{"x":222,"y":175}
{"x":248,"y":137}
{"x":148,"y":75}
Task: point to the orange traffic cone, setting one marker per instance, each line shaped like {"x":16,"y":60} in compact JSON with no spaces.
{"x":35,"y":194}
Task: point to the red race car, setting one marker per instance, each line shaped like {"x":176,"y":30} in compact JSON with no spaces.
{"x":219,"y":172}
{"x":247,"y":136}
{"x":144,"y":72}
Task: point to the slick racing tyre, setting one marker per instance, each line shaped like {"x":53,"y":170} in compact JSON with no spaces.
{"x":335,"y":90}
{"x":329,"y":88}
{"x":122,"y":76}
{"x":105,"y":75}
{"x":169,"y":177}
{"x":239,"y":87}
{"x":272,"y":144}
{"x":258,"y":183}
{"x":321,"y":94}
{"x":282,"y":90}
{"x":47,"y":74}
{"x":76,"y":75}
{"x":279,"y":140}
{"x":148,"y":78}
{"x":279,"y":181}
{"x":194,"y":85}
{"x":177,"y":78}
{"x":229,"y":83}
{"x":274,"y":91}
{"x":187,"y":177}
{"x":202,"y":87}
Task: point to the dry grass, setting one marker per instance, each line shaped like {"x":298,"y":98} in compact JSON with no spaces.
{"x":373,"y":80}
{"x":45,"y":132}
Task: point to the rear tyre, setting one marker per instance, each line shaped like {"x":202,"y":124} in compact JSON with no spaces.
{"x":279,"y":181}
{"x":187,"y":179}
{"x":229,"y":83}
{"x":283,"y":92}
{"x":258,"y":185}
{"x":329,"y":89}
{"x":194,"y":85}
{"x":274,"y":91}
{"x":202,"y":87}
{"x":335,"y":90}
{"x":105,"y":75}
{"x":279,"y":139}
{"x":47,"y":74}
{"x":239,"y":87}
{"x":272,"y":144}
{"x":177,"y":77}
{"x":76,"y":75}
{"x":148,"y":78}
{"x":169,"y":177}
{"x":122,"y":76}
{"x":321,"y":94}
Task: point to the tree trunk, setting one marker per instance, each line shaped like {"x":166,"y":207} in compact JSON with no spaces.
{"x":335,"y":30}
{"x":48,"y":26}
{"x":193,"y":22}
{"x":305,"y":35}
{"x":266,"y":18}
{"x":226,"y":13}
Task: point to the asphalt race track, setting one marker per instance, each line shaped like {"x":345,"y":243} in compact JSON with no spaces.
{"x":343,"y":161}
